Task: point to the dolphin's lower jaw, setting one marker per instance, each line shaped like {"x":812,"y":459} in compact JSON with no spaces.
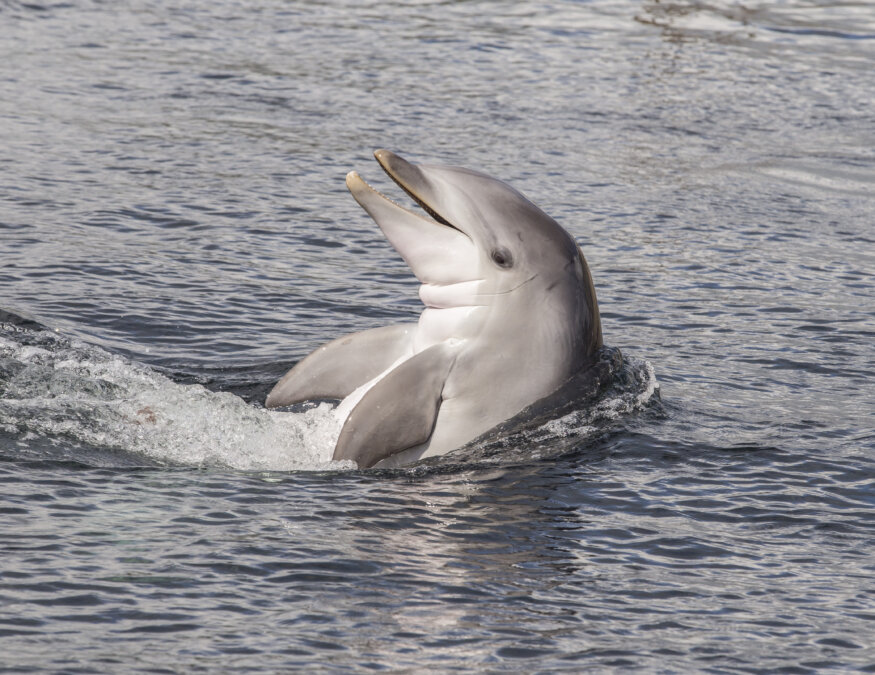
{"x":510,"y":314}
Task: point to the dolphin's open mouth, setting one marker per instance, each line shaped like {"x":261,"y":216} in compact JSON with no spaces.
{"x":437,"y":251}
{"x":396,"y":168}
{"x":358,"y":185}
{"x":404,"y":174}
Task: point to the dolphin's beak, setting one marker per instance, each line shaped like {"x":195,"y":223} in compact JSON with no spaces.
{"x":436,"y":254}
{"x":411,"y":179}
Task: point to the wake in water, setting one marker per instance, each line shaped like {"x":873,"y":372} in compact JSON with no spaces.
{"x":55,"y":388}
{"x":67,"y":393}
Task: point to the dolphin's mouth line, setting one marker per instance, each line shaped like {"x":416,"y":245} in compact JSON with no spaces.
{"x":509,"y":290}
{"x":437,"y":217}
{"x":431,"y":301}
{"x":433,"y":217}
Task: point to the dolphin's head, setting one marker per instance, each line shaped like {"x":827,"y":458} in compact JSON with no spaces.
{"x":482,"y":243}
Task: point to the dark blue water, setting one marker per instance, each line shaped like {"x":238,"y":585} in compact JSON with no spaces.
{"x":175,"y":234}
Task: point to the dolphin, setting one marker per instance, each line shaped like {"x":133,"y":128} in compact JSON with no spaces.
{"x":510,"y":315}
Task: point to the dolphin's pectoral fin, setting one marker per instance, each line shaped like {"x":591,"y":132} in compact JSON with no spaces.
{"x":337,"y":368}
{"x":399,"y":412}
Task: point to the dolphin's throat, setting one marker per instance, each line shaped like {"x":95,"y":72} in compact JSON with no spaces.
{"x":452,"y":311}
{"x":454,"y":323}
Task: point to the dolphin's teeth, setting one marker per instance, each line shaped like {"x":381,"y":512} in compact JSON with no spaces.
{"x":354,"y":175}
{"x":437,"y":217}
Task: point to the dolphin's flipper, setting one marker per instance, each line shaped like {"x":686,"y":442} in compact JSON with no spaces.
{"x":399,"y":411}
{"x":337,"y":368}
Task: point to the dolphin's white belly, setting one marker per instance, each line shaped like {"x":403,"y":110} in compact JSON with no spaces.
{"x":439,"y":325}
{"x":444,"y":320}
{"x":452,"y":315}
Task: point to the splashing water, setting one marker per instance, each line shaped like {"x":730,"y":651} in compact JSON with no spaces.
{"x":63,"y":389}
{"x":637,"y":391}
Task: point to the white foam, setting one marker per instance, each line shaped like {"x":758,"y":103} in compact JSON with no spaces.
{"x":633,"y":398}
{"x":85,"y":394}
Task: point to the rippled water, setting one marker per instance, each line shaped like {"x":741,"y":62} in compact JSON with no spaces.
{"x":175,"y":233}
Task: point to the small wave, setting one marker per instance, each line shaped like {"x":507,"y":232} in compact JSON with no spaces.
{"x":64,"y":390}
{"x":632,"y":390}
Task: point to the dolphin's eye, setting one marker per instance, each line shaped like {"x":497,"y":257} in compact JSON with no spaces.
{"x":502,"y":257}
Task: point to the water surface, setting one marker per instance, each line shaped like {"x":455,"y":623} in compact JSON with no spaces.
{"x":175,"y":233}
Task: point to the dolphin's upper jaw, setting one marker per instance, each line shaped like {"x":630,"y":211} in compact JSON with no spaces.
{"x":405,"y":176}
